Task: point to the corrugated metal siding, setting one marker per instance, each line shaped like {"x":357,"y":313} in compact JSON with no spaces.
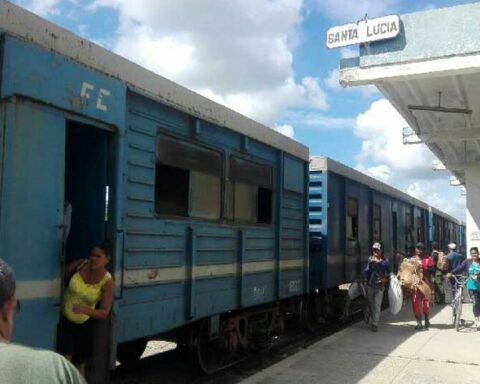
{"x":259,"y":244}
{"x":210,"y":272}
{"x":293,"y":226}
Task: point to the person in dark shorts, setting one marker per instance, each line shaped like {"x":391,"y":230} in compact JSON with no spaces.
{"x":88,"y":296}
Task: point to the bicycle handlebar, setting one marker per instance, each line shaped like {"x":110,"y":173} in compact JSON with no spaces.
{"x":460,"y":279}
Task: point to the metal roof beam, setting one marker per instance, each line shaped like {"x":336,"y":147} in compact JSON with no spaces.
{"x":460,"y":89}
{"x":448,"y":136}
{"x":418,"y":95}
{"x":452,"y":166}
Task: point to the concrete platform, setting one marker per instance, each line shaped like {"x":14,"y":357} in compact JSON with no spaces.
{"x":395,"y":354}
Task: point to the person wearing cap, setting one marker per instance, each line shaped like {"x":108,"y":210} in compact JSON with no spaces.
{"x":454,"y":258}
{"x":19,"y":364}
{"x":376,"y":273}
{"x":420,"y":303}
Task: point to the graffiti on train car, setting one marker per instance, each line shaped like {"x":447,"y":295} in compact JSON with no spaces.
{"x":294,"y":286}
{"x":89,"y":89}
{"x":259,"y":293}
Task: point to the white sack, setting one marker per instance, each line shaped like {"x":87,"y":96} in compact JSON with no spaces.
{"x":395,"y":295}
{"x":354,"y":291}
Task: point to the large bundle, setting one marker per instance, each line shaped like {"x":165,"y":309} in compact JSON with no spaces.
{"x":442,"y":262}
{"x":411,"y":277}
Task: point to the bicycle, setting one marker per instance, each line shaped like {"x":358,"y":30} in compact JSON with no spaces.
{"x":457,"y":301}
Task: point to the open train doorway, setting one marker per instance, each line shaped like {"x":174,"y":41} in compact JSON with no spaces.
{"x":88,"y":218}
{"x":87,"y":189}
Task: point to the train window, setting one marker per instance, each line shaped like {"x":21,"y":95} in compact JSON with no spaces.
{"x":188,"y":179}
{"x":203,"y":187}
{"x":264,"y":206}
{"x":408,"y":228}
{"x":352,"y":218}
{"x":377,"y":223}
{"x":394,"y":231}
{"x":252,"y":185}
{"x":420,"y":236}
{"x":171,"y":190}
{"x":293,"y":175}
{"x":245,"y":202}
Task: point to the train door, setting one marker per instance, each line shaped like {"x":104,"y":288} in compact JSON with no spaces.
{"x":87,"y":188}
{"x":89,"y":157}
{"x":31,"y":215}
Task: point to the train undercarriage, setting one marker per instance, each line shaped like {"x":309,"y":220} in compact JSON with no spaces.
{"x":219,"y":341}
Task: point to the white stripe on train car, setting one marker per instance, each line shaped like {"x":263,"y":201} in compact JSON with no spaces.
{"x":290,"y":264}
{"x":162,"y":275}
{"x":38,"y":289}
{"x":41,"y":289}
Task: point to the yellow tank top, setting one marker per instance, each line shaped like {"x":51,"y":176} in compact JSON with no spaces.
{"x":79,"y":292}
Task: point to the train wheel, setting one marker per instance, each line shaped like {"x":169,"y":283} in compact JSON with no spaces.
{"x":129,"y":353}
{"x":210,"y":359}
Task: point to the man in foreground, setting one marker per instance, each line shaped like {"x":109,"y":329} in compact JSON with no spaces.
{"x":19,"y":364}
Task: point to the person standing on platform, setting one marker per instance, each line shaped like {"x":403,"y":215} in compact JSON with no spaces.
{"x":19,"y":364}
{"x":376,"y":273}
{"x":421,"y":303}
{"x":471,"y":268}
{"x":442,"y":267}
{"x":454,"y":258}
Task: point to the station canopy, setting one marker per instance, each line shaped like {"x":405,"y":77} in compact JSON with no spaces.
{"x":430,"y":72}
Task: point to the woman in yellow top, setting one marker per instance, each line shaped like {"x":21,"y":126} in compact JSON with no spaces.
{"x":90,"y":284}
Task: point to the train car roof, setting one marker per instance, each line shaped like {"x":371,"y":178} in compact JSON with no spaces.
{"x":323,"y":163}
{"x":18,"y":22}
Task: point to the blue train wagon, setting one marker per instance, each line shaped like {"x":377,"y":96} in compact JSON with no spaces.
{"x":348,"y":212}
{"x":207,"y":209}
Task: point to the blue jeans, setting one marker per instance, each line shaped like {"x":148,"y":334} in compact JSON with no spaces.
{"x":475,"y":297}
{"x":375,"y":298}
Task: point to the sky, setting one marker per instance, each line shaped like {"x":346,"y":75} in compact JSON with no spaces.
{"x":267,"y":59}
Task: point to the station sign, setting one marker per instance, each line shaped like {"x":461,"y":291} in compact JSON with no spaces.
{"x":364,"y":31}
{"x":475,"y":235}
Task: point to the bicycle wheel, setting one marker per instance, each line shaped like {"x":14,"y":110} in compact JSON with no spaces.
{"x":458,"y":313}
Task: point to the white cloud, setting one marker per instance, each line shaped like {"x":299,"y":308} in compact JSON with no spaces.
{"x":379,"y":172}
{"x":239,"y":52}
{"x":406,"y":167}
{"x":380,"y":128}
{"x":285,"y":129}
{"x":439,"y":194}
{"x":351,"y":11}
{"x":41,"y":7}
{"x":316,"y":97}
{"x":318,"y":121}
{"x":332,"y":80}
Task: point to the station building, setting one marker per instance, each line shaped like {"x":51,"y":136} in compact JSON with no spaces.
{"x":430,"y":72}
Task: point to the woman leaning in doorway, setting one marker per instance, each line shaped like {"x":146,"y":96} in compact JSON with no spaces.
{"x":471,"y":267}
{"x":90,"y":284}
